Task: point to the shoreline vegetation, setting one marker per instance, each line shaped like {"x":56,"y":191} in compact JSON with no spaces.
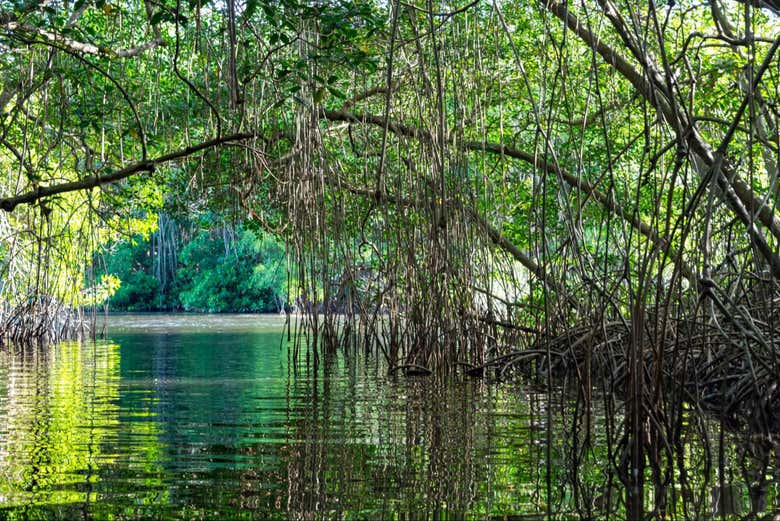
{"x":533,"y":189}
{"x":218,"y":268}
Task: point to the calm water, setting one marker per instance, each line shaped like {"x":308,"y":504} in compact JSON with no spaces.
{"x":193,"y":417}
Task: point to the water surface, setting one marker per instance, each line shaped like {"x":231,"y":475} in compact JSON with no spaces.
{"x":206,"y":417}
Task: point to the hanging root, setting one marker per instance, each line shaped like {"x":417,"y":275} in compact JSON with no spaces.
{"x":41,"y":320}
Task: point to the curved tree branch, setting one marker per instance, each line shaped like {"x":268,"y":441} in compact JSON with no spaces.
{"x":10,"y":203}
{"x":737,"y":193}
{"x":81,"y":47}
{"x":499,"y":149}
{"x":772,"y":5}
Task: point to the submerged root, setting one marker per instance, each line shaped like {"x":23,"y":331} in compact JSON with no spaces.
{"x":42,"y":320}
{"x":732,"y":370}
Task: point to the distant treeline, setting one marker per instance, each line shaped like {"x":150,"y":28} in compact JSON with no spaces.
{"x":222,"y":268}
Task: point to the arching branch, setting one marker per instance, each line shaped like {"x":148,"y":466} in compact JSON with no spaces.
{"x":651,"y":85}
{"x":772,"y":5}
{"x":550,"y":168}
{"x":81,"y":47}
{"x":10,"y":203}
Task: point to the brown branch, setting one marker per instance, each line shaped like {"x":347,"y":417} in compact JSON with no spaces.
{"x":10,"y":203}
{"x":736,"y":192}
{"x":493,"y":148}
{"x":81,"y":47}
{"x":493,"y":234}
{"x":721,"y":20}
{"x":442,"y":14}
{"x":772,"y":5}
{"x":379,"y":89}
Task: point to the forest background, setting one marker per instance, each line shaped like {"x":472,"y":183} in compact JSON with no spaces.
{"x":587,"y":187}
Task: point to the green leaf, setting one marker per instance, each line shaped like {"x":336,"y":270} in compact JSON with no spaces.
{"x":251,"y":8}
{"x":336,"y":92}
{"x":161,"y":16}
{"x":269,"y":13}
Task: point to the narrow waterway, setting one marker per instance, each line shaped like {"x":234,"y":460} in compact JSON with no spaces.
{"x":206,"y":417}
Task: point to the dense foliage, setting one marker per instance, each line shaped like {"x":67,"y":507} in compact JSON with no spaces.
{"x":586,"y":186}
{"x":223,"y":269}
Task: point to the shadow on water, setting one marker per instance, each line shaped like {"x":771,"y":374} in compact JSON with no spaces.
{"x":196,"y":420}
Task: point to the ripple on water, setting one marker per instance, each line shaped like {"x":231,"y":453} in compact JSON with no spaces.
{"x":192,"y":416}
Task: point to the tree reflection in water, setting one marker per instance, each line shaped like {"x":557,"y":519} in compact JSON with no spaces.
{"x":197,"y":424}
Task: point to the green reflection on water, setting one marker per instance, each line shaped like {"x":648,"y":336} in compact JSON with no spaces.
{"x":204,"y":418}
{"x":58,"y":406}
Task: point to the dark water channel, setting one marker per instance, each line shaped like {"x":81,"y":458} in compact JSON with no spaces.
{"x":205,"y":417}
